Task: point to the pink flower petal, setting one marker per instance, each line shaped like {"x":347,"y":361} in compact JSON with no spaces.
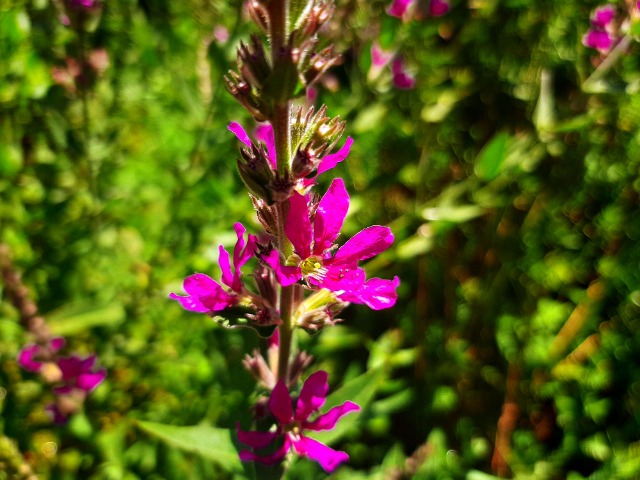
{"x":598,"y":39}
{"x":345,"y":278}
{"x":398,"y":8}
{"x":256,"y":439}
{"x":379,"y":58}
{"x":437,"y":8}
{"x":56,"y":414}
{"x":264,"y":133}
{"x":298,"y":225}
{"x":205,"y":295}
{"x":331,"y":160}
{"x":57,"y":343}
{"x":25,"y":358}
{"x":70,"y":367}
{"x":271,"y":459}
{"x":313,"y":395}
{"x":603,"y":16}
{"x":376,"y":293}
{"x":225,"y":267}
{"x":239,"y":132}
{"x":329,"y":420}
{"x":365,"y":244}
{"x":286,"y":275}
{"x":90,"y":381}
{"x":280,"y":403}
{"x":328,"y":458}
{"x":330,"y":216}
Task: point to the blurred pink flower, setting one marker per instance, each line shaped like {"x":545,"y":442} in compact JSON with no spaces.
{"x":292,"y":423}
{"x":598,"y":36}
{"x":30,"y":357}
{"x":402,"y":79}
{"x":435,"y":8}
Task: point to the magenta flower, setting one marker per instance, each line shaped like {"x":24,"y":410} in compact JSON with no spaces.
{"x":292,"y":424}
{"x":598,"y":40}
{"x":313,"y":260}
{"x":402,"y":79}
{"x":205,"y":295}
{"x":598,"y":37}
{"x":398,"y":8}
{"x":437,"y":8}
{"x":379,"y":57}
{"x":29,"y":355}
{"x":603,"y":16}
{"x":79,"y":373}
{"x":264,"y":134}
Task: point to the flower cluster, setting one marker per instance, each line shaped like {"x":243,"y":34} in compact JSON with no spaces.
{"x":608,"y":26}
{"x":74,"y":377}
{"x":600,"y":34}
{"x":302,"y":277}
{"x":401,"y":77}
{"x":292,"y":423}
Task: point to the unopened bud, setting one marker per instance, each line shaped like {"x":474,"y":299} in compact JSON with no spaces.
{"x":304,"y":163}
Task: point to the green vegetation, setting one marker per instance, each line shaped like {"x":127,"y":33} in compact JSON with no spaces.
{"x":509,"y":175}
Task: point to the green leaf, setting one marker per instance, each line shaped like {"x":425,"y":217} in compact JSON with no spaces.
{"x":491,"y":157}
{"x":215,"y":444}
{"x":452,"y":213}
{"x":360,"y":390}
{"x":77,"y":317}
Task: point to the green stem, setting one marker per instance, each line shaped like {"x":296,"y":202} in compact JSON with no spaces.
{"x":281,"y":122}
{"x":287,"y":305}
{"x":278,"y":36}
{"x":590,"y":85}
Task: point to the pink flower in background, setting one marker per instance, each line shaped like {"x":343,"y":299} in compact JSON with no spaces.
{"x":30,"y":356}
{"x":402,"y":79}
{"x":437,"y":8}
{"x":314,"y":260}
{"x":205,"y":295}
{"x":379,"y":57}
{"x":74,"y":377}
{"x":598,"y":36}
{"x":603,"y":16}
{"x":292,"y":424}
{"x":79,"y":373}
{"x":398,"y":8}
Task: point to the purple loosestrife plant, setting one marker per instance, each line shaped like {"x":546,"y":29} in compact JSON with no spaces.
{"x":73,"y":377}
{"x":302,"y":279}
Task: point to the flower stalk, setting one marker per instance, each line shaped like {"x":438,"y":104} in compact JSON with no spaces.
{"x":303,"y":279}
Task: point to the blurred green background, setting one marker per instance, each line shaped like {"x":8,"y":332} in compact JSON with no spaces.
{"x":512,"y":187}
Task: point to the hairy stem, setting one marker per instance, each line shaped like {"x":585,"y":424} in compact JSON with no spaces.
{"x":278,"y":35}
{"x":281,"y":122}
{"x":285,"y":329}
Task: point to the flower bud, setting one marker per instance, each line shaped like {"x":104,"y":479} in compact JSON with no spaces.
{"x":252,"y":63}
{"x":304,"y":163}
{"x":246,"y":96}
{"x":256,"y":171}
{"x":318,"y":310}
{"x":259,"y":15}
